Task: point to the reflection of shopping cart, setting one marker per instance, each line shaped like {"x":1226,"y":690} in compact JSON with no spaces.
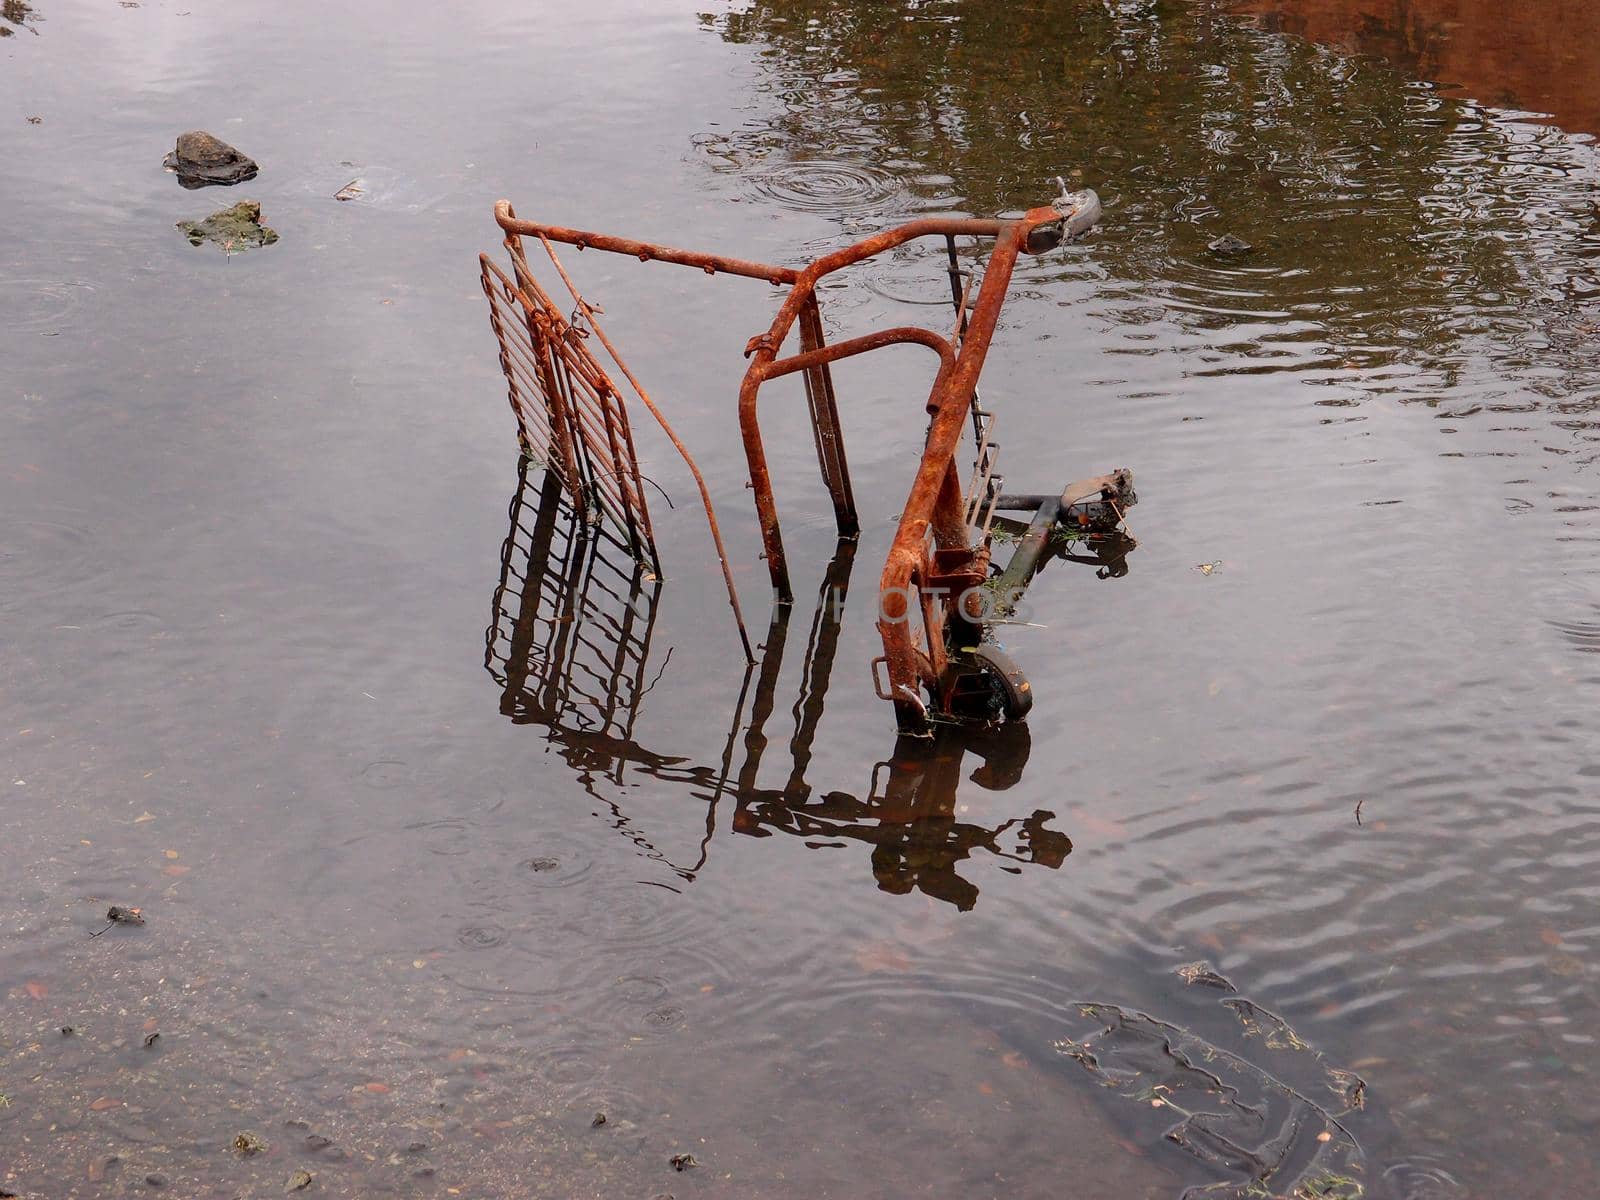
{"x":570,"y":639}
{"x":570,"y":643}
{"x":941,"y":592}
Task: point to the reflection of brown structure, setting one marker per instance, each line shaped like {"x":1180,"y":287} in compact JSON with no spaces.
{"x":1540,"y":57}
{"x":572,"y":627}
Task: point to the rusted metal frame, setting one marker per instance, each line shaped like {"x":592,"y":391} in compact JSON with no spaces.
{"x":824,"y":405}
{"x":763,"y":351}
{"x":755,"y":451}
{"x":593,"y":420}
{"x":925,"y":511}
{"x":519,"y":362}
{"x":683,"y":451}
{"x":566,"y":415}
{"x":623,"y":465}
{"x":612,"y":405}
{"x":637,"y":484}
{"x":497,"y":322}
{"x":644,"y":251}
{"x":877,"y":340}
{"x":599,"y":400}
{"x":582,"y":380}
{"x":556,"y":371}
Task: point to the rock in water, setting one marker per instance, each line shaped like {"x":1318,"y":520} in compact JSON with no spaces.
{"x":201,"y":159}
{"x":236,"y":228}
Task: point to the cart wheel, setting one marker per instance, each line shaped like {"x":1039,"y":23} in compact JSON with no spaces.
{"x":1012,"y":689}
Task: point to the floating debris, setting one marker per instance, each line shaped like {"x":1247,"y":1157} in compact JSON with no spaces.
{"x":201,"y":160}
{"x":118,"y":915}
{"x":233,"y":229}
{"x":682,"y":1162}
{"x":248,"y":1143}
{"x":353,"y":190}
{"x":599,"y":1120}
{"x":1206,"y":568}
{"x":1200,"y":974}
{"x":1229,"y":246}
{"x":151,"y":1039}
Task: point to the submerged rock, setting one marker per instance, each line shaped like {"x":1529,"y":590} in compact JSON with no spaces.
{"x":233,"y":229}
{"x":201,"y":160}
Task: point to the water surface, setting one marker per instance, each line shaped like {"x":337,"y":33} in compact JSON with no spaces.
{"x":451,"y":830}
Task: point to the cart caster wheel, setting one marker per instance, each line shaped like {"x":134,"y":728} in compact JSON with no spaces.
{"x":988,"y":686}
{"x":1012,"y":689}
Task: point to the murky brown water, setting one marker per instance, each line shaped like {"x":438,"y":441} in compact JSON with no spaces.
{"x":421,"y":903}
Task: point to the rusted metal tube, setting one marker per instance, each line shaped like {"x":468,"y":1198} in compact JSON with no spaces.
{"x":645,"y":251}
{"x":900,"y":335}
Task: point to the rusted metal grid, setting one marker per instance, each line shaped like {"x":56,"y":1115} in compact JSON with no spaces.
{"x":942,"y":546}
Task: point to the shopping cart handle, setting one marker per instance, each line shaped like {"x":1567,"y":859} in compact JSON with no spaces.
{"x":1081,"y":209}
{"x":1078,"y":212}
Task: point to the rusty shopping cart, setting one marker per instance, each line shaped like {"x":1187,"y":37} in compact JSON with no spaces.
{"x":942,"y":591}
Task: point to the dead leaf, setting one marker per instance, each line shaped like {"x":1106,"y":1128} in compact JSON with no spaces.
{"x":38,"y":989}
{"x":143,"y":817}
{"x":175,"y":871}
{"x":377,"y":1088}
{"x":170,"y":853}
{"x":1550,"y":937}
{"x":104,"y":1104}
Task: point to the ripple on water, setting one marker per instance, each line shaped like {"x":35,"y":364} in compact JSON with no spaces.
{"x":40,"y":559}
{"x":386,"y":774}
{"x":41,"y":305}
{"x":481,"y":937}
{"x":831,"y":187}
{"x":556,"y":861}
{"x":449,"y":836}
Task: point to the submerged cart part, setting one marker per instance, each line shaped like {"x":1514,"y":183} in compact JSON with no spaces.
{"x":1262,"y":1124}
{"x":941,"y":593}
{"x":574,"y":647}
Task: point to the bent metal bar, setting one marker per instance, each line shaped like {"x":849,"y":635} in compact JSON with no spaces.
{"x":938,"y":657}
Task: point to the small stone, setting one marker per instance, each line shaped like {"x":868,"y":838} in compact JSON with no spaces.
{"x":315,"y":1142}
{"x":416,"y":1147}
{"x":67,"y":1031}
{"x":200,"y":159}
{"x":156,"y":1181}
{"x":299,"y":1181}
{"x":125,"y":916}
{"x":599,"y":1120}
